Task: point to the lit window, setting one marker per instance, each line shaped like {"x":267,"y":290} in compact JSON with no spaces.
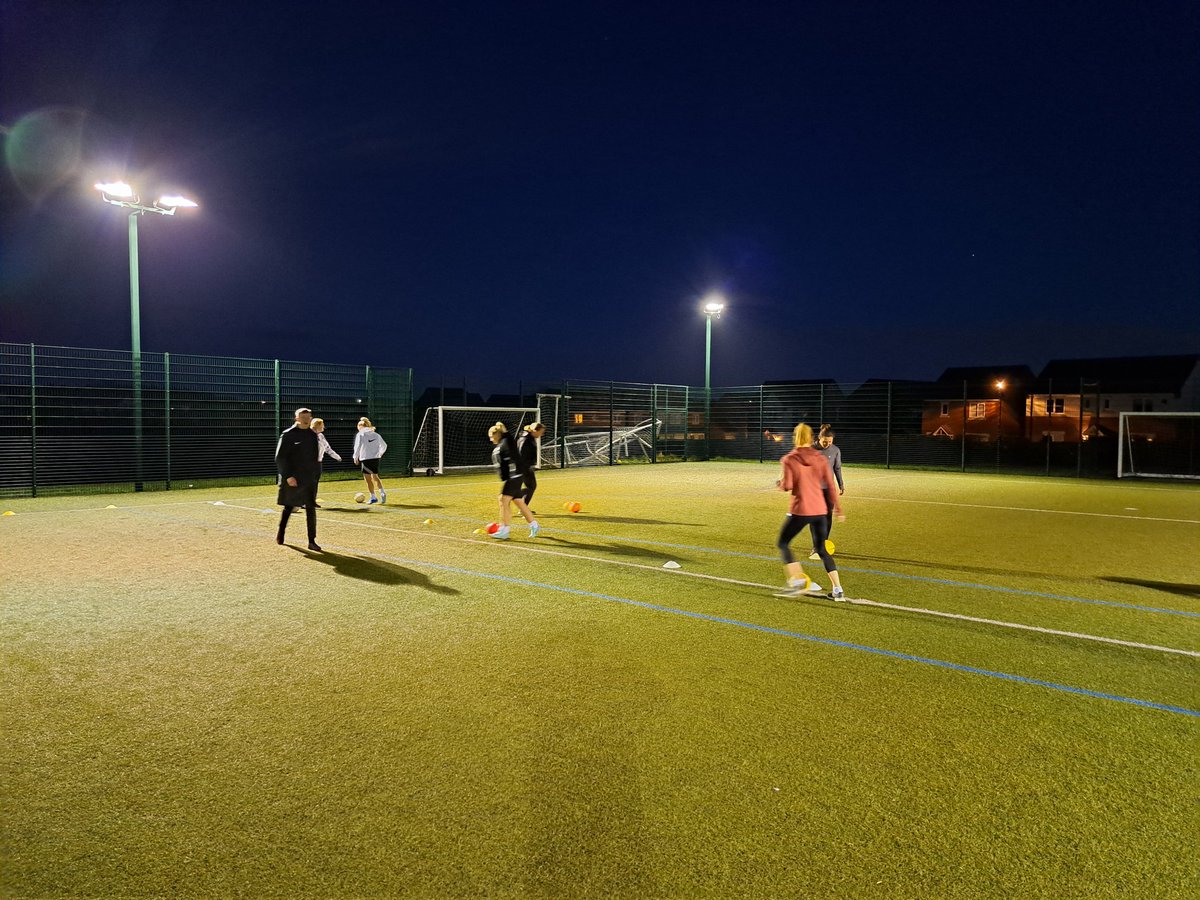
{"x":977,"y":410}
{"x":1056,"y":404}
{"x":578,"y":418}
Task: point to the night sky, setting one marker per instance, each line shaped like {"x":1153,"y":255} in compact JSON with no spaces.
{"x":511,"y":190}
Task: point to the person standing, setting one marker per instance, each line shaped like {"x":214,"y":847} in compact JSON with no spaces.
{"x":369,"y":447}
{"x":323,"y":448}
{"x":298,"y":461}
{"x":507,"y":460}
{"x":806,"y":475}
{"x":527,"y":446}
{"x":827,"y":448}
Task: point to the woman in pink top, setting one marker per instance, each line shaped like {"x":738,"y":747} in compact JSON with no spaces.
{"x":805,"y":473}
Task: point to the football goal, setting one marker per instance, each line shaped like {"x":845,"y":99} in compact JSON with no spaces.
{"x":599,"y":448}
{"x":1159,"y":445}
{"x":454,"y":438}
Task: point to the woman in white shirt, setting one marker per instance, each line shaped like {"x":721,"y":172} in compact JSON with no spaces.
{"x":323,"y":448}
{"x":369,"y":448}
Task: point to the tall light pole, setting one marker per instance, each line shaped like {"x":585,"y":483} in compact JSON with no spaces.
{"x":713,"y":306}
{"x":118,"y":193}
{"x":1000,"y":385}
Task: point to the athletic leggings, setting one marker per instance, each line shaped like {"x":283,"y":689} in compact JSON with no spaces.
{"x":792,"y":526}
{"x":530,"y":487}
{"x":310,"y":518}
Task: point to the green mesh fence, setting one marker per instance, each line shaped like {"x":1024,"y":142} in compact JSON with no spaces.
{"x":78,"y":420}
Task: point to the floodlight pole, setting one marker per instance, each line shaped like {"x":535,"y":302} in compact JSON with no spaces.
{"x":135,"y":317}
{"x":135,"y":325}
{"x":707,"y":382}
{"x":712,"y":309}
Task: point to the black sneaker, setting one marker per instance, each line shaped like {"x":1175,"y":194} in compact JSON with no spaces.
{"x":313,"y":545}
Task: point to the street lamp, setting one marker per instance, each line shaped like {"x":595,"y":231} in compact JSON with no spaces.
{"x":1000,"y":385}
{"x":118,"y":193}
{"x":713,"y":306}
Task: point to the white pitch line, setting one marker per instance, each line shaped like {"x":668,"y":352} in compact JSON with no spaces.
{"x":1058,"y":512}
{"x":754,"y":584}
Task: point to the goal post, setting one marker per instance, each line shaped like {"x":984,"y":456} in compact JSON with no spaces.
{"x":454,"y":438}
{"x":1159,"y":445}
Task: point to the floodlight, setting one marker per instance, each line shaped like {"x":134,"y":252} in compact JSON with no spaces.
{"x":175,"y":200}
{"x":115,"y":188}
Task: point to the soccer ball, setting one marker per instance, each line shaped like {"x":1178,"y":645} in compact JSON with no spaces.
{"x":573,"y":507}
{"x":829,"y":548}
{"x":360,"y":497}
{"x":493,"y":527}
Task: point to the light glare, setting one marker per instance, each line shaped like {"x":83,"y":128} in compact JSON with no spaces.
{"x":176,"y":200}
{"x":115,"y":188}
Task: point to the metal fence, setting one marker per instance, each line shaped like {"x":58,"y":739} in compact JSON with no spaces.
{"x":75,"y":420}
{"x":904,"y":424}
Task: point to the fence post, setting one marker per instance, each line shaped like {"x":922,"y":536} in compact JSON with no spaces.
{"x":687,"y":419}
{"x":964,"y":433}
{"x":821,"y":414}
{"x":562,"y":425}
{"x":1079,"y":446}
{"x":278,"y":409}
{"x":887,"y":456}
{"x":654,"y":423}
{"x":33,"y":420}
{"x":761,"y":426}
{"x":611,"y":449}
{"x":167,"y":409}
{"x":1047,"y":439}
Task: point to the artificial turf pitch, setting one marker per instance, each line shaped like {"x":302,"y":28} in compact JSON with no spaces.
{"x":191,"y":710}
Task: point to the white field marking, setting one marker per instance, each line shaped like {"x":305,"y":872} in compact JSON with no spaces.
{"x":752,"y":584}
{"x":1057,"y":512}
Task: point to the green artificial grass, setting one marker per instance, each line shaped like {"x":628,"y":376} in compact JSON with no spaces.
{"x":190,"y":710}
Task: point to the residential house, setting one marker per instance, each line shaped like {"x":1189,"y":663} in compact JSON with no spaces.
{"x":981,"y":403}
{"x":1083,"y":398}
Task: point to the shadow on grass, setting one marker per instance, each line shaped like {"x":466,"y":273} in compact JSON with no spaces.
{"x":938,"y":566}
{"x":615,"y":549}
{"x":1170,"y":587}
{"x":621,"y":520}
{"x":364,"y":508}
{"x":374,"y":570}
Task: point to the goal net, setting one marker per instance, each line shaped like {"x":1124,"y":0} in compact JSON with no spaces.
{"x":1159,"y":445}
{"x":599,"y":448}
{"x":454,"y":438}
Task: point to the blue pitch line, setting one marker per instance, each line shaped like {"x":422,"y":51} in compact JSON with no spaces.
{"x":920,"y":578}
{"x":831,"y":642}
{"x":894,"y":654}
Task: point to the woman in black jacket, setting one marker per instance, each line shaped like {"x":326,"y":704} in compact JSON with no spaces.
{"x":527,"y":446}
{"x":509,"y":466}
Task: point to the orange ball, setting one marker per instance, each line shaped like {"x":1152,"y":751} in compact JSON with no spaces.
{"x":575,"y":507}
{"x":493,"y":527}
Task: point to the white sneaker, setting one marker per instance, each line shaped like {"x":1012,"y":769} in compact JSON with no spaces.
{"x":790,"y":590}
{"x":501,"y":534}
{"x":837,"y":595}
{"x":534,"y":528}
{"x":383,"y":496}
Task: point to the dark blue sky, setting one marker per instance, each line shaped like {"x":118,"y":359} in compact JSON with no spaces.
{"x":523,"y":190}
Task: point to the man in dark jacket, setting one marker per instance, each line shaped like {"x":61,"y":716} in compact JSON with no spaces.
{"x":298,"y":459}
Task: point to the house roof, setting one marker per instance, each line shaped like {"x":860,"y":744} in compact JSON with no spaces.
{"x":1155,"y":374}
{"x":1018,"y":373}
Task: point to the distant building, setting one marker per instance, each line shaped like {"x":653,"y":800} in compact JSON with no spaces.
{"x":981,"y":403}
{"x":1083,"y":398}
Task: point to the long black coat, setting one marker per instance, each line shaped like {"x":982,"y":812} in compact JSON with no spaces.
{"x":296,"y":457}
